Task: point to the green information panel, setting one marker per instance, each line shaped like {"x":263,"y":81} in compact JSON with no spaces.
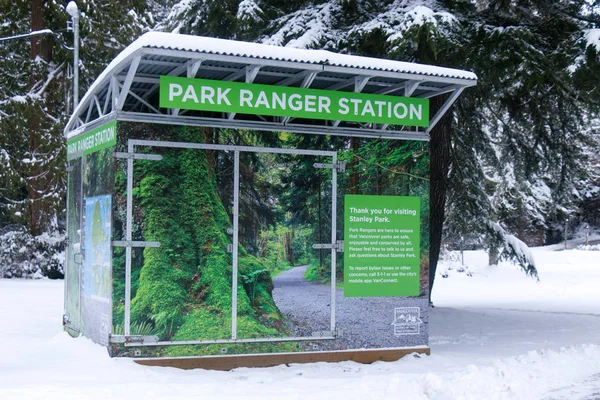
{"x":284,"y":101}
{"x":381,"y":246}
{"x":95,"y":140}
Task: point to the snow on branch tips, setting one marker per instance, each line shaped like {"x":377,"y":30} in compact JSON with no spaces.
{"x":248,"y":9}
{"x":515,"y":249}
{"x":593,"y":38}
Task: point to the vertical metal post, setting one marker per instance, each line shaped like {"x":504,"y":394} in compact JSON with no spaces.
{"x":128,"y":234}
{"x":234,"y":275}
{"x":81,"y":233}
{"x":462,"y":252}
{"x":68,"y":249}
{"x":75,"y":62}
{"x":333,"y":237}
{"x":74,"y":13}
{"x":566,"y":230}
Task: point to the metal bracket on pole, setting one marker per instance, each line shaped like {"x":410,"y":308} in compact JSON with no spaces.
{"x":133,"y":243}
{"x":138,"y":156}
{"x":339,"y":166}
{"x":338,"y":246}
{"x":137,"y":339}
{"x":337,"y":333}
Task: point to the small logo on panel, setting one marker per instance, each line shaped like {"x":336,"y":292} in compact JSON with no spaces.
{"x":407,"y":321}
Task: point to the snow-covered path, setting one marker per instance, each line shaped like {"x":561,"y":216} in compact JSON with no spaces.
{"x":497,"y":335}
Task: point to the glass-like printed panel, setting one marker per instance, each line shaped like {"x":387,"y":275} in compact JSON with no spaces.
{"x":74,"y":259}
{"x":98,"y":186}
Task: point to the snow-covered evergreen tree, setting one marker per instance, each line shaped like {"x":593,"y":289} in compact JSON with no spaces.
{"x":517,"y":150}
{"x":35,"y":102}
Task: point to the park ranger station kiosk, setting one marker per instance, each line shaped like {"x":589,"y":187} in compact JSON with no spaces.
{"x":156,"y":267}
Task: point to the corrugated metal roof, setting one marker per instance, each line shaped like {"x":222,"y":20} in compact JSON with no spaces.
{"x":206,"y":45}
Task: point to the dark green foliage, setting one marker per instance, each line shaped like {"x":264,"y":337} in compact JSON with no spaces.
{"x":250,"y":281}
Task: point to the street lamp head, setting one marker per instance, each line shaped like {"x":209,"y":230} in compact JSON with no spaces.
{"x":72,"y":9}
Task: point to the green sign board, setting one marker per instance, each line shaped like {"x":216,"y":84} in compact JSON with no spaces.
{"x":381,"y":246}
{"x":92,"y":141}
{"x":284,"y":101}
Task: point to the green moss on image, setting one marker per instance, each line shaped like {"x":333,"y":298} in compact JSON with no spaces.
{"x":184,"y":290}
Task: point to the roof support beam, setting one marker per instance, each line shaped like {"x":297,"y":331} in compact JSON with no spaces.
{"x":308,"y":80}
{"x":431,"y":94}
{"x":89,"y":111}
{"x":100,"y":113}
{"x":341,"y":85}
{"x":235,"y":75}
{"x":107,"y":100}
{"x":175,"y":72}
{"x":128,"y":80}
{"x":359,"y":84}
{"x":410,"y":87}
{"x":144,"y":102}
{"x":114,"y":82}
{"x":251,"y":72}
{"x":161,"y":63}
{"x":391,"y":89}
{"x":295,"y":78}
{"x":192,"y":68}
{"x":447,"y":104}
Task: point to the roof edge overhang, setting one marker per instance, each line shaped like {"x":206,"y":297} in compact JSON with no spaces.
{"x":127,"y":88}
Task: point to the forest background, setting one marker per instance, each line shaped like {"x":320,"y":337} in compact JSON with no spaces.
{"x":518,"y":154}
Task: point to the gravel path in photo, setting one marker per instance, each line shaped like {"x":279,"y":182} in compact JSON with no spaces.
{"x":366,"y":322}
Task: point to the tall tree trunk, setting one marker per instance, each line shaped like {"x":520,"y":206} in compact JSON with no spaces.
{"x":38,"y":210}
{"x":439,"y":154}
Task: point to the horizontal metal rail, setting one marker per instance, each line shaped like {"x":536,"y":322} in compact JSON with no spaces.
{"x":134,"y":243}
{"x":204,"y":146}
{"x":230,"y":341}
{"x":266,"y":126}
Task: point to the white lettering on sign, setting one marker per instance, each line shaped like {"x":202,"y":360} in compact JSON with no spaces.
{"x":175,"y":90}
{"x":93,"y":140}
{"x":190,"y":94}
{"x":208,"y":94}
{"x":343,"y":103}
{"x":404,"y":111}
{"x":262,"y":100}
{"x":245,"y":98}
{"x":416,"y":112}
{"x":295,"y":102}
{"x":222,"y":96}
{"x":324,"y":103}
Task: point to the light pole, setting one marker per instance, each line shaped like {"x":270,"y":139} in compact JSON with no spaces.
{"x":74,"y":13}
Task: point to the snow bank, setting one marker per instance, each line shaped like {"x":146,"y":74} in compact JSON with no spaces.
{"x":487,"y":350}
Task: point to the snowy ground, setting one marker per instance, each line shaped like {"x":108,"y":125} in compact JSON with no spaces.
{"x":496,"y":335}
